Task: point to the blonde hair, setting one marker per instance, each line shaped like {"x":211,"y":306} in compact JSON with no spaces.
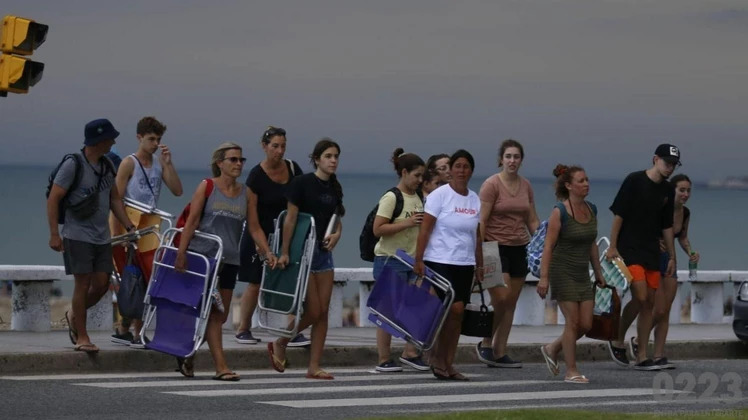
{"x":219,"y":154}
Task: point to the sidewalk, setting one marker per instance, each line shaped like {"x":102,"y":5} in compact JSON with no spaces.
{"x":28,"y":353}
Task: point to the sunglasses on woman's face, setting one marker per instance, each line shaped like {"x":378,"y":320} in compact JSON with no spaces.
{"x":234,"y":159}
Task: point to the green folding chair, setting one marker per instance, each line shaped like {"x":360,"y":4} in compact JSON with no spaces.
{"x":283,"y":291}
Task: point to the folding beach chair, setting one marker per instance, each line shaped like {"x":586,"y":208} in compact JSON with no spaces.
{"x":404,"y":306}
{"x":283,"y":291}
{"x":615,"y":273}
{"x":180,"y":302}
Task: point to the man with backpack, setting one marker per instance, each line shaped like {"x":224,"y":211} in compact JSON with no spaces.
{"x":80,"y":196}
{"x":139,"y":178}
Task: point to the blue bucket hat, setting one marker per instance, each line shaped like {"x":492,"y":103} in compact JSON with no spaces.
{"x":99,"y":130}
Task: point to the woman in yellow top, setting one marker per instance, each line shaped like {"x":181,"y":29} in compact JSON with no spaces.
{"x":400,"y":231}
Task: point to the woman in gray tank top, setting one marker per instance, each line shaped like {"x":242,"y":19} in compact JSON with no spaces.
{"x":224,"y":213}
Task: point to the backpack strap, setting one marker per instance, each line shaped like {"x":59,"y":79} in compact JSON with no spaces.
{"x":145,"y":175}
{"x":564,"y":214}
{"x":592,"y":207}
{"x":399,"y":203}
{"x":291,"y":169}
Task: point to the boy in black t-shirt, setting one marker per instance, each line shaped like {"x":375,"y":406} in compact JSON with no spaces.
{"x":643,"y":213}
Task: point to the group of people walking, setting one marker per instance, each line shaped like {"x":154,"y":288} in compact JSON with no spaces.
{"x":431,"y":214}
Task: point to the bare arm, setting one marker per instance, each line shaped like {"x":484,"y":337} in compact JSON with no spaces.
{"x":169,"y":173}
{"x":615,"y":229}
{"x":424,"y":234}
{"x":118,"y":208}
{"x":533,"y":222}
{"x":190,"y":226}
{"x":551,"y":237}
{"x":53,"y":212}
{"x":478,"y":255}
{"x":685,"y":243}
{"x":289,"y":224}
{"x":485,"y":213}
{"x":255,"y":230}
{"x":383,"y":227}
{"x":595,"y":261}
{"x":667,"y":234}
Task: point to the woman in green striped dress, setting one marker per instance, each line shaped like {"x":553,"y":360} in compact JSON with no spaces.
{"x":569,"y":249}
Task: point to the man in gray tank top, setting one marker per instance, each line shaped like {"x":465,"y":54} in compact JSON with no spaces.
{"x":140,"y":177}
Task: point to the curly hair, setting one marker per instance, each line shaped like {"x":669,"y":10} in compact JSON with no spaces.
{"x":564,"y":174}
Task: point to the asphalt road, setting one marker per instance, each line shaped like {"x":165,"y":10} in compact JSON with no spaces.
{"x":695,"y":386}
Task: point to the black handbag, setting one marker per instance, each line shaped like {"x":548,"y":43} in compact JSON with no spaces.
{"x":478,"y":322}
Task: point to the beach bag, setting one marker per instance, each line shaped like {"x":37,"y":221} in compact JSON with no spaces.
{"x":185,"y":214}
{"x":367,"y":240}
{"x":535,"y":249}
{"x":492,"y":274}
{"x":606,"y":315}
{"x":132,"y":287}
{"x":477,"y":320}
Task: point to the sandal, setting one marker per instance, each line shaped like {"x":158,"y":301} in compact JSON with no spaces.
{"x":227,"y":376}
{"x":550,"y":363}
{"x":577,"y":379}
{"x":320,"y":374}
{"x":186,"y":367}
{"x":72,"y":333}
{"x":88,"y":348}
{"x":440,"y":373}
{"x":457,"y":376}
{"x":278,"y":364}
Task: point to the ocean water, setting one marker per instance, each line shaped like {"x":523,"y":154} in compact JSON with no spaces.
{"x":717,"y":229}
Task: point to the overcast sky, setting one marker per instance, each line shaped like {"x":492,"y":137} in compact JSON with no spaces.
{"x":599,"y":83}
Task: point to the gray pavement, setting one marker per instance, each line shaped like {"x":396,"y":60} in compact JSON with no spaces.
{"x":28,"y":353}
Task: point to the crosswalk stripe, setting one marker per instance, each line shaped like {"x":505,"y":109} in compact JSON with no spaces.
{"x":86,"y":376}
{"x":461,"y":398}
{"x":347,"y":388}
{"x":277,"y":379}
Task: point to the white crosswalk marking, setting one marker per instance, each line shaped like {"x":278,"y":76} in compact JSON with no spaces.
{"x":461,"y":398}
{"x":86,"y":376}
{"x":348,"y":388}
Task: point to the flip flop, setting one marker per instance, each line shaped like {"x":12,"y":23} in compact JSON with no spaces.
{"x":552,"y":365}
{"x":439,"y":373}
{"x":278,"y":364}
{"x":458,"y":377}
{"x":227,"y":376}
{"x":320,"y":374}
{"x":186,"y":367}
{"x":88,"y":348}
{"x":72,"y":333}
{"x":578,"y":379}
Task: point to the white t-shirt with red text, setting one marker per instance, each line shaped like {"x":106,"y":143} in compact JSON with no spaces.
{"x":457,"y":217}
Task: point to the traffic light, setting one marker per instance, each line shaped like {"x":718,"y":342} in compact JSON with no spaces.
{"x":20,"y":36}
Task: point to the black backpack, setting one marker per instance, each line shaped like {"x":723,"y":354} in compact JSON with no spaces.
{"x":367,"y":240}
{"x":77,"y":158}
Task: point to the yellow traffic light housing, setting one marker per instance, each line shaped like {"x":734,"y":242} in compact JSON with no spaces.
{"x":20,"y":36}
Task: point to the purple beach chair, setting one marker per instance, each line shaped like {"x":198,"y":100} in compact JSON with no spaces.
{"x":405,"y":307}
{"x":179,"y":303}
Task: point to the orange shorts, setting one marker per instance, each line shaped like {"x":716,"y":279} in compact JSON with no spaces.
{"x":639,"y":273}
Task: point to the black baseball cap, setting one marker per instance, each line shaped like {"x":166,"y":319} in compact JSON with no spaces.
{"x":668,"y":153}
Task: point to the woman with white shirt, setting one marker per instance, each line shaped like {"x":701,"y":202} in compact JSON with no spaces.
{"x":449,"y":244}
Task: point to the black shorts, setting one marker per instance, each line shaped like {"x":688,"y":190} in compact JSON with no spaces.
{"x":514,"y":260}
{"x":459,"y":276}
{"x":250,"y":270}
{"x":227,"y":274}
{"x":84,"y":257}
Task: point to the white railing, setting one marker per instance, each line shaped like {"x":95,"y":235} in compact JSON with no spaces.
{"x":32,"y":287}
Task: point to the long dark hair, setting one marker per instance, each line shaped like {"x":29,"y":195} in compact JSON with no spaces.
{"x":507,"y":144}
{"x":564,"y":174}
{"x":319,"y":148}
{"x":678,"y":178}
{"x":407,"y":161}
{"x":431,"y":162}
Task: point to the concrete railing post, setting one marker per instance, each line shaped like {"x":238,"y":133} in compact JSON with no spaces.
{"x":335,"y":312}
{"x":530,"y":308}
{"x":707,"y":302}
{"x":30,"y":306}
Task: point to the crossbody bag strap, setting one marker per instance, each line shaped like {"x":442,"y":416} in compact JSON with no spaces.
{"x":145,"y":175}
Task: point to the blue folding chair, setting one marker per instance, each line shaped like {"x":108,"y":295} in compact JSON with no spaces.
{"x":180,"y":303}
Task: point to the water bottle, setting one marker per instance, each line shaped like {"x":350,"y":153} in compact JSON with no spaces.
{"x":692,"y":268}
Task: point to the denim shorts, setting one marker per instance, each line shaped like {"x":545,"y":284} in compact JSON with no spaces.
{"x":664,"y":259}
{"x":393,"y":263}
{"x":321,"y":261}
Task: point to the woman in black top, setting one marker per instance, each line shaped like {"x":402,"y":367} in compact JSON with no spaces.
{"x":320,"y":195}
{"x":267,"y":182}
{"x":669,"y":284}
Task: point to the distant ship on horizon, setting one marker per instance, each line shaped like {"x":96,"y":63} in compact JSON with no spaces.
{"x":731,"y":182}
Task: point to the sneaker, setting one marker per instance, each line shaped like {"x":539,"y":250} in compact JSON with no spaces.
{"x":618,"y":354}
{"x":415,"y":363}
{"x":299,"y":341}
{"x":485,"y":354}
{"x":389,"y":366}
{"x":507,"y":362}
{"x":663,"y":363}
{"x":633,"y":347}
{"x":646,"y":364}
{"x":139,"y":342}
{"x":125,"y":338}
{"x":245,"y":337}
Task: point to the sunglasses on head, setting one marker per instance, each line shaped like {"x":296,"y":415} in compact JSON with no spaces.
{"x":272,"y":132}
{"x":234,"y":159}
